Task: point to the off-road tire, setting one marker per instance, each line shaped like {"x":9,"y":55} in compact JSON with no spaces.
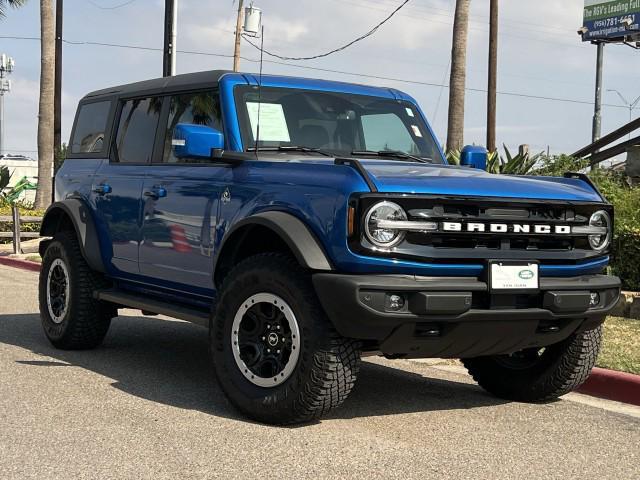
{"x":327,"y":365}
{"x":561,"y":368}
{"x":87,"y":320}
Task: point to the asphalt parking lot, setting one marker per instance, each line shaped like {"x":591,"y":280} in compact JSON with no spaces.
{"x":145,"y":405}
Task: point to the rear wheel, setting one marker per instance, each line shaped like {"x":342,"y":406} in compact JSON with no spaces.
{"x":71,"y":318}
{"x":539,"y":374}
{"x":276,"y":355}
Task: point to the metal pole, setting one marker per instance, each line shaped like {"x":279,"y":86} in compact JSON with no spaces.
{"x":168,"y":62}
{"x":57,"y":106}
{"x":597,"y":116}
{"x":493,"y":76}
{"x":174,"y":37}
{"x":15,"y":212}
{"x":236,"y":50}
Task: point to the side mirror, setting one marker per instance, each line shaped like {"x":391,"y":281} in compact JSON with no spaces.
{"x":474,"y":157}
{"x":196,"y":141}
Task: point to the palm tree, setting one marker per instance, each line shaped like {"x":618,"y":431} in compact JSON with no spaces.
{"x":10,"y":3}
{"x":457,"y":83}
{"x":45,"y":115}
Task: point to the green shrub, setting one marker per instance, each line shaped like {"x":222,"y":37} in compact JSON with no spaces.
{"x":558,"y":165}
{"x":520,"y":164}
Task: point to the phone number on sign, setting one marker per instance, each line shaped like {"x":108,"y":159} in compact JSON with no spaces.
{"x":613,"y":22}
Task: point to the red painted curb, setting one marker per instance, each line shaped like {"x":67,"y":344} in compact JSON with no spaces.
{"x":612,"y":385}
{"x":18,"y":263}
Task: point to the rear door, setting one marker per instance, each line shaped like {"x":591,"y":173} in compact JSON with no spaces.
{"x":117,"y":187}
{"x":181,"y":201}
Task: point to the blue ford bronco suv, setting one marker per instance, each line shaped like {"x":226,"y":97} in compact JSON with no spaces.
{"x":307,"y":223}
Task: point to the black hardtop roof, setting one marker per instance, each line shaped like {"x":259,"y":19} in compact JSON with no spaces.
{"x":187,"y":80}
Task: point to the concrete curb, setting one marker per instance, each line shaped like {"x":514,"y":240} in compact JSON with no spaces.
{"x":19,"y":263}
{"x":612,"y":385}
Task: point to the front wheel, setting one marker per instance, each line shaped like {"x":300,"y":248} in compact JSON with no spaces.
{"x":276,"y":355}
{"x":539,"y":374}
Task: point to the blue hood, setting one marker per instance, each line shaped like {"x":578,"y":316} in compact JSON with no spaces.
{"x":405,"y":177}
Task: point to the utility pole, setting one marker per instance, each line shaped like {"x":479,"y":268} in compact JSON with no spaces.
{"x":57,"y":106}
{"x":170,"y":37}
{"x":236,"y":50}
{"x":6,"y":67}
{"x":493,"y":76}
{"x":597,"y":116}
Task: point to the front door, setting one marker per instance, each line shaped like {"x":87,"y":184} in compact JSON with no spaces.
{"x":180,"y":202}
{"x":118,"y":184}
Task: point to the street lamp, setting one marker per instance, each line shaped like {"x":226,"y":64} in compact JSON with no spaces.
{"x":6,"y":67}
{"x":630,"y":105}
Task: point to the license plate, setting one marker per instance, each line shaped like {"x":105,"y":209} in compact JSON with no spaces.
{"x":512,"y":277}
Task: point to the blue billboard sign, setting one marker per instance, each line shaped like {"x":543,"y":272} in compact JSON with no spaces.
{"x":611,"y":20}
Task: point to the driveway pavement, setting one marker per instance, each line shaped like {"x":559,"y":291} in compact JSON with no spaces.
{"x":145,"y":405}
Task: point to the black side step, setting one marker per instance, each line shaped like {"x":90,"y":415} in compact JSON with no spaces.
{"x":199,"y":317}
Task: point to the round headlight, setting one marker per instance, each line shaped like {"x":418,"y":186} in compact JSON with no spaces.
{"x":602,"y":220}
{"x":384,"y":237}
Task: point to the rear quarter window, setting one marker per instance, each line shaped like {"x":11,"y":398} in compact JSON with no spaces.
{"x":88,"y":136}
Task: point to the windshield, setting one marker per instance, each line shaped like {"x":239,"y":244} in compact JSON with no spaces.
{"x":338,"y":123}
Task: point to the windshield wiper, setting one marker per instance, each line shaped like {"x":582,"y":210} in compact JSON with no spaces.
{"x":394,"y":154}
{"x":290,"y":148}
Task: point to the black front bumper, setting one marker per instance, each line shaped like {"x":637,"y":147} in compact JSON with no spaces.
{"x":458,"y":317}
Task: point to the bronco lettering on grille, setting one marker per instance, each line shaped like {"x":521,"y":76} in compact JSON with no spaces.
{"x":505,"y":228}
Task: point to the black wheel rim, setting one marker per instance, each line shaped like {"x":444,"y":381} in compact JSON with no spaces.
{"x":266,"y":340}
{"x":58,"y":290}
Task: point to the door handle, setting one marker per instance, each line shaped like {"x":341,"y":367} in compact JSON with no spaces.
{"x":102,"y":189}
{"x":156,"y":192}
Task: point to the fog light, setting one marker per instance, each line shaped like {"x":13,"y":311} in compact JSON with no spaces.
{"x":396,"y":302}
{"x":594,"y":300}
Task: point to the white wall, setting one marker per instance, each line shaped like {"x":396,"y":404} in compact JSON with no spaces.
{"x":23,"y":168}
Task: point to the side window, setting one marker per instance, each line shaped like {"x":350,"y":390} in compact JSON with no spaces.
{"x":137,"y":129}
{"x":199,"y":108}
{"x":386,"y":131}
{"x":88,"y":136}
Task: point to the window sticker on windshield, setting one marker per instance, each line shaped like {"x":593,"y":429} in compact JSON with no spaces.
{"x":416,"y":131}
{"x":273,"y":124}
{"x":409,"y":112}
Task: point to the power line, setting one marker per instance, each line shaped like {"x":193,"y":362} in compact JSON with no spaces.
{"x":113,"y":7}
{"x":327,"y":70}
{"x":428,"y":8}
{"x":335,"y":50}
{"x":472,"y":27}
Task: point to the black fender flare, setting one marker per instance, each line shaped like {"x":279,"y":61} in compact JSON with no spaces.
{"x":80,"y":216}
{"x":301,"y":241}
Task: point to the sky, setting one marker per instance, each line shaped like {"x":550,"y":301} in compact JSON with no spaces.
{"x":540,"y":55}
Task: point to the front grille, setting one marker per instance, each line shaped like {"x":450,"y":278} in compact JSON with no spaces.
{"x":492,"y":242}
{"x":468,"y":213}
